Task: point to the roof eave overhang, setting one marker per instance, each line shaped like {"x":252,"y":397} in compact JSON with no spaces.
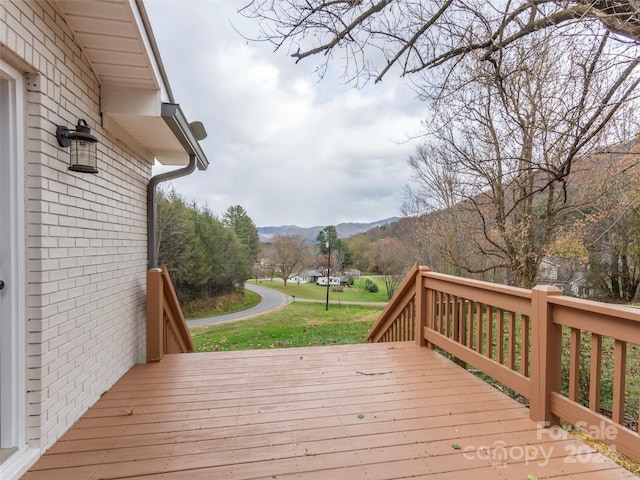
{"x":118,"y":41}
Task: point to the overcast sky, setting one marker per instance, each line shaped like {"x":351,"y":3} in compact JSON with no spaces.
{"x":287,"y":146}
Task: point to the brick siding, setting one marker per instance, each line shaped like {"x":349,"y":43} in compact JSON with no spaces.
{"x":86,"y":234}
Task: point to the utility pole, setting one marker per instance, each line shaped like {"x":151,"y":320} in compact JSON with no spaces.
{"x":328,"y":274}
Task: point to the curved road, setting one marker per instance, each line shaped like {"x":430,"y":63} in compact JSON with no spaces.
{"x":270,"y":300}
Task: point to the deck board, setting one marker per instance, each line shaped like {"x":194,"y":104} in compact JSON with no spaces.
{"x":381,"y":411}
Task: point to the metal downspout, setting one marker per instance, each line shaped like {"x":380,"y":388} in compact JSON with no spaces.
{"x":152,"y":253}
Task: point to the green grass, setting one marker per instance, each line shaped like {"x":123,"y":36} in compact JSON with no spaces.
{"x":316,"y":292}
{"x":297,"y":325}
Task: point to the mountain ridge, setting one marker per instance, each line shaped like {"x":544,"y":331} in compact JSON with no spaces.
{"x":345,"y":229}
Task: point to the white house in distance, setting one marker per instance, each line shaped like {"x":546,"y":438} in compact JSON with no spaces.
{"x":74,"y":246}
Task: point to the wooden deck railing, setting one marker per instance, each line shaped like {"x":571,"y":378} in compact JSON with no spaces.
{"x":398,"y":320}
{"x":167,"y":330}
{"x":522,"y":338}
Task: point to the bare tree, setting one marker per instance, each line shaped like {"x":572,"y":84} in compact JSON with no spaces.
{"x":520,"y":89}
{"x":290,"y":255}
{"x":610,"y":229}
{"x":504,"y":137}
{"x":376,"y":35}
{"x":392,"y":259}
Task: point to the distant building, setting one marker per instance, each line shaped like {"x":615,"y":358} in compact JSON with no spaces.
{"x":309,"y":276}
{"x":568,"y":274}
{"x":332,"y":281}
{"x":353,"y":272}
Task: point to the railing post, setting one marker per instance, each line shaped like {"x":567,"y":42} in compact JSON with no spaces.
{"x":422,"y":307}
{"x":546,"y":354}
{"x":155,"y":327}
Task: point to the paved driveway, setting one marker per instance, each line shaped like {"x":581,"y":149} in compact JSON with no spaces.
{"x":271,"y":300}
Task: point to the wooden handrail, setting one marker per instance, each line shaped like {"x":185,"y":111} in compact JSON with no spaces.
{"x":515,"y":336}
{"x":397,"y":320}
{"x":167,"y":330}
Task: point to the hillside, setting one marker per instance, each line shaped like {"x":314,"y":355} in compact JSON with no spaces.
{"x":345,"y":230}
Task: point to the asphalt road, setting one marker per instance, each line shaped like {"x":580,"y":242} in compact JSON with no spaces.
{"x":270,"y":300}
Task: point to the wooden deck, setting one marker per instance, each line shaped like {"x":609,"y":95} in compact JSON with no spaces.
{"x":373,"y":411}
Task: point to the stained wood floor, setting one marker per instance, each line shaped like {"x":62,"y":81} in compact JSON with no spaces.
{"x":375,"y":411}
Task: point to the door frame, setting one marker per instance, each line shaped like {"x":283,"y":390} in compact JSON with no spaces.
{"x":13,"y":344}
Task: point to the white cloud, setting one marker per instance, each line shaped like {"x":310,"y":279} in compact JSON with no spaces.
{"x":287,"y":147}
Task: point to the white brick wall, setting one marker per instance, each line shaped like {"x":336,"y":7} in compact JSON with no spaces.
{"x":86,"y":234}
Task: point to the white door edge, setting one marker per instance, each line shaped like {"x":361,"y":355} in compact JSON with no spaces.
{"x":13,"y":339}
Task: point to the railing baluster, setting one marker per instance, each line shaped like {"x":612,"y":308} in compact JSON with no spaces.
{"x":480,"y":329}
{"x":405,"y":324}
{"x":443,"y":314}
{"x":489,"y":340}
{"x":524,"y":342}
{"x":459,"y":337}
{"x":619,"y":376}
{"x":455,"y":319}
{"x":463,"y":321}
{"x":470,"y":323}
{"x":574,"y":364}
{"x":467,"y":322}
{"x":414,"y":314}
{"x":512,"y":340}
{"x":500,"y":314}
{"x":437,"y":325}
{"x":596,"y":372}
{"x":447,"y":315}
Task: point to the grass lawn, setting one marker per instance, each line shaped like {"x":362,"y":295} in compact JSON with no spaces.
{"x":229,"y":303}
{"x":297,"y":325}
{"x":317,"y":292}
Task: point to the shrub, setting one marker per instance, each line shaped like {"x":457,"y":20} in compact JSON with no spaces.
{"x":370,"y":286}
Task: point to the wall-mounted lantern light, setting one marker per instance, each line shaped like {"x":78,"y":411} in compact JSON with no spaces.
{"x":84,"y":147}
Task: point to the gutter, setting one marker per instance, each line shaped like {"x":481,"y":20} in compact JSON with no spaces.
{"x":188,"y":135}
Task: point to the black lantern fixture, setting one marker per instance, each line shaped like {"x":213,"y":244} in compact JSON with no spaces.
{"x":84,"y":147}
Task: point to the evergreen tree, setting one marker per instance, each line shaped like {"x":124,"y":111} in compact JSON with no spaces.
{"x":203,"y":255}
{"x":236,"y":218}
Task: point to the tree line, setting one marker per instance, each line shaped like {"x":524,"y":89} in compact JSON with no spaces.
{"x":599,"y":236}
{"x":206,"y":256}
{"x":209,"y":256}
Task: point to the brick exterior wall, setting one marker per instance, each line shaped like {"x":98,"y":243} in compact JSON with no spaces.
{"x":86,"y":248}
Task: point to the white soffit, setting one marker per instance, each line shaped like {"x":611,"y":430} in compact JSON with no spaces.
{"x":114,"y":40}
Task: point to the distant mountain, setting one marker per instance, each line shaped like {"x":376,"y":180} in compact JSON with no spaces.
{"x":345,"y":230}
